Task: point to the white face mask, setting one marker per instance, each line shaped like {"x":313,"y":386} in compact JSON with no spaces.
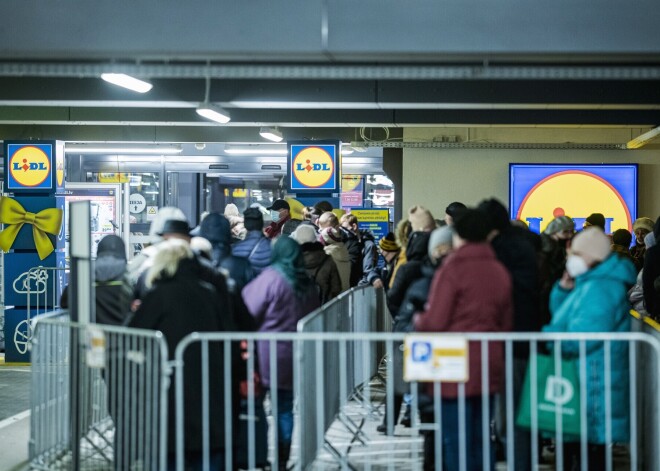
{"x":576,"y":266}
{"x":275,"y":216}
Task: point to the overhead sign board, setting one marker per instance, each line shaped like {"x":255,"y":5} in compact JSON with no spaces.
{"x":540,"y":193}
{"x":314,"y":167}
{"x":29,"y":166}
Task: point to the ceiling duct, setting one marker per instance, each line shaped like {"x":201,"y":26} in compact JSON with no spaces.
{"x":484,"y":145}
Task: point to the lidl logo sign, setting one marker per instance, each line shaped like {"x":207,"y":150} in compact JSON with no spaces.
{"x":313,"y":167}
{"x":29,"y":166}
{"x":540,"y":193}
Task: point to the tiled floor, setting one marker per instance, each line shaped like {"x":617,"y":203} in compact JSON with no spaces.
{"x":14,"y":418}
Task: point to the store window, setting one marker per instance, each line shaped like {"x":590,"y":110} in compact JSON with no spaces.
{"x":222,"y":189}
{"x":144,"y":193}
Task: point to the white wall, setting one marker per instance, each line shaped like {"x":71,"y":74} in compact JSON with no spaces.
{"x":436,"y":177}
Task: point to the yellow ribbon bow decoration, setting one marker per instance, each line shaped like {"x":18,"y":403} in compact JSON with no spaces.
{"x":46,"y":221}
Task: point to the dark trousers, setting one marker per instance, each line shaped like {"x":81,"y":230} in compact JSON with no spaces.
{"x":572,"y":457}
{"x":450,"y":446}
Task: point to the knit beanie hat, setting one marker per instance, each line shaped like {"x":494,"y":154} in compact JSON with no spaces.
{"x":643,"y":223}
{"x":421,"y":219}
{"x":304,"y":234}
{"x":596,"y":219}
{"x":388,"y":243}
{"x":562,"y":223}
{"x":593,"y":243}
{"x":330,"y":235}
{"x":440,"y":236}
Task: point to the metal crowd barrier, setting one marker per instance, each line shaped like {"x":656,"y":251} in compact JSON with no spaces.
{"x":648,"y":409}
{"x":99,"y":397}
{"x":430,"y":413}
{"x":360,"y":310}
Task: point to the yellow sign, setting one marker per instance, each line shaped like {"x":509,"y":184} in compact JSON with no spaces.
{"x":313,"y":167}
{"x":114,"y":177}
{"x":576,"y":194}
{"x":29,"y":166}
{"x":371,"y":215}
{"x":59,"y":167}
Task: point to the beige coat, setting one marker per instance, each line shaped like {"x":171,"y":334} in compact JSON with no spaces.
{"x":340,"y":255}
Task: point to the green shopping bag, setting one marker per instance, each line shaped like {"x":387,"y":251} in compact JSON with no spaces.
{"x":555,"y":394}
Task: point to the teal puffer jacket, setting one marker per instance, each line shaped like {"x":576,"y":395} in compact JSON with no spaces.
{"x":598,"y":303}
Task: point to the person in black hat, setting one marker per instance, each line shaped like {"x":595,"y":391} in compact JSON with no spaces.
{"x":280,"y":214}
{"x":595,"y":219}
{"x":175,"y":229}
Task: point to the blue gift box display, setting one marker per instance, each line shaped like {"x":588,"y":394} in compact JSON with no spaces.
{"x":33,"y":204}
{"x":18,"y":334}
{"x":44,"y":285}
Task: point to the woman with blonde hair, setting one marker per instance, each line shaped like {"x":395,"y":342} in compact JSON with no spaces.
{"x":177,"y":304}
{"x":402,"y":234}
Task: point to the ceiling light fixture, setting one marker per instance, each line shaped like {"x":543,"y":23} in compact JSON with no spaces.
{"x":210,"y":111}
{"x":643,"y":139}
{"x":125,"y":149}
{"x":272,"y":134}
{"x":126,"y":81}
{"x":256,"y":149}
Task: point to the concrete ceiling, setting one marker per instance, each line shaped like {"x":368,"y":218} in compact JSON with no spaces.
{"x":328,"y":71}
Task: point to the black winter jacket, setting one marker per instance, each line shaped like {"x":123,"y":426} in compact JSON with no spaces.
{"x":178,"y":306}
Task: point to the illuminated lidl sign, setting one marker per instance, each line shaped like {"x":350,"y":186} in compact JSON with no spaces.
{"x":29,"y":166}
{"x":539,"y":193}
{"x":314,"y":167}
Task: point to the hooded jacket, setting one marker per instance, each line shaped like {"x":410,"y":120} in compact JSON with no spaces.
{"x":321,"y":268}
{"x":112,"y":288}
{"x":416,"y":252}
{"x":598,"y":303}
{"x":178,"y":306}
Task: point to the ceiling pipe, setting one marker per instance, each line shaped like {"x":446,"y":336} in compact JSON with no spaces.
{"x":331,"y":72}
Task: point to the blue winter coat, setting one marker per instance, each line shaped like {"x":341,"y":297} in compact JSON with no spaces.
{"x":255,"y":248}
{"x":598,"y":303}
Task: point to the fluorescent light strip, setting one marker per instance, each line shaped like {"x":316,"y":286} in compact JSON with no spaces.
{"x":256,"y":150}
{"x":213,"y":112}
{"x":126,"y":81}
{"x":272,"y":134}
{"x":642,"y":140}
{"x":123,"y":150}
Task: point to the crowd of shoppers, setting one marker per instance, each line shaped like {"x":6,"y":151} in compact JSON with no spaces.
{"x":474,"y":271}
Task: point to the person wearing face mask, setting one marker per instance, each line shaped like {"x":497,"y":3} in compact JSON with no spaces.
{"x":591,"y":296}
{"x":651,"y":272}
{"x":641,"y":227}
{"x":280,"y":214}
